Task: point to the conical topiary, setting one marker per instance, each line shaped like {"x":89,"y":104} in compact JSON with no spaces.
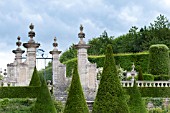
{"x":75,"y":101}
{"x":110,"y":96}
{"x":35,"y":80}
{"x":136,"y":104}
{"x":140,"y":75}
{"x":44,"y":103}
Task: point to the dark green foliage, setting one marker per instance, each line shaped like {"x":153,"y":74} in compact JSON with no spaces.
{"x":110,"y":96}
{"x":35,"y":80}
{"x":75,"y":101}
{"x":44,"y":103}
{"x":161,"y":77}
{"x":19,"y":92}
{"x":70,"y":66}
{"x":98,"y":45}
{"x":148,"y":77}
{"x":158,"y":60}
{"x":47,"y":73}
{"x":69,"y":54}
{"x":16,"y":105}
{"x":140,"y":75}
{"x":124,"y":60}
{"x":154,"y":92}
{"x":136,"y":104}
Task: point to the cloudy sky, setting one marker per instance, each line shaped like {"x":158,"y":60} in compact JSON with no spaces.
{"x":62,"y":18}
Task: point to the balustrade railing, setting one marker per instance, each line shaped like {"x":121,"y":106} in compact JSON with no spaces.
{"x":146,"y":83}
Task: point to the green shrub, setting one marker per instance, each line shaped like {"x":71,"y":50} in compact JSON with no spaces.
{"x":35,"y":80}
{"x":158,"y":59}
{"x":110,"y":97}
{"x":140,"y":75}
{"x":148,"y":77}
{"x":44,"y":102}
{"x":19,"y":92}
{"x":161,"y":77}
{"x":75,"y":101}
{"x":136,"y":104}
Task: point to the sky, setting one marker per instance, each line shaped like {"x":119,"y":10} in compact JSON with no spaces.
{"x":62,"y":18}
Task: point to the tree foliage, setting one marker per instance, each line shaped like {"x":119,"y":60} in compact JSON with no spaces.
{"x":110,"y":96}
{"x":98,"y":45}
{"x":75,"y":101}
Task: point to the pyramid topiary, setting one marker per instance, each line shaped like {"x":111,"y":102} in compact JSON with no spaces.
{"x":140,"y":75}
{"x":136,"y":104}
{"x":35,"y":80}
{"x":75,"y":101}
{"x":110,"y":96}
{"x":44,"y":102}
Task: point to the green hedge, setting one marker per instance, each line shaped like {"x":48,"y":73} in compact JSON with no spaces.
{"x":163,"y":92}
{"x":158,"y":59}
{"x":124,"y":60}
{"x":19,"y":92}
{"x":148,"y":77}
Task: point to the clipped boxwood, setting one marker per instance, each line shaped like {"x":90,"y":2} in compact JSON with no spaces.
{"x":158,"y":59}
{"x":161,"y":77}
{"x":124,"y":60}
{"x":148,"y":77}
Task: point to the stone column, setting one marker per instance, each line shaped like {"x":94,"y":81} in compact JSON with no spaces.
{"x":18,"y":52}
{"x":82,"y":59}
{"x":31,"y":53}
{"x":58,"y":69}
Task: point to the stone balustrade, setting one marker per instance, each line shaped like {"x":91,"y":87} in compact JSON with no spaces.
{"x":7,"y":83}
{"x":146,"y":83}
{"x":127,"y":83}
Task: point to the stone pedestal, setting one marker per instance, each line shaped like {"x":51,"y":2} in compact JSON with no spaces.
{"x":59,"y":74}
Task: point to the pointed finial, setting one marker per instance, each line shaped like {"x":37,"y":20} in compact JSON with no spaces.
{"x":18,"y":43}
{"x":31,"y":26}
{"x":81,"y":28}
{"x":55,"y":43}
{"x":31,"y":34}
{"x":81,"y":34}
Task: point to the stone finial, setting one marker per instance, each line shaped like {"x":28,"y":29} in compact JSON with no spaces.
{"x":55,"y":43}
{"x":133,"y":67}
{"x":18,"y":43}
{"x":81,"y":34}
{"x":31,"y":34}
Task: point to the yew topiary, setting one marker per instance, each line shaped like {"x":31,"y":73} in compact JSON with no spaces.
{"x":75,"y":101}
{"x":35,"y":80}
{"x":44,"y":102}
{"x":158,"y":60}
{"x":110,"y":97}
{"x":136,"y":104}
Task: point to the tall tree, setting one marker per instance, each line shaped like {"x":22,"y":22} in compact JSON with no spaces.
{"x":110,"y":96}
{"x":98,"y":45}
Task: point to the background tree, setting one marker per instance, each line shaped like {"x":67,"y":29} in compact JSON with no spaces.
{"x":69,"y":54}
{"x":110,"y":97}
{"x":98,"y":45}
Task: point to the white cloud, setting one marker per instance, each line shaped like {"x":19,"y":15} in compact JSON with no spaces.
{"x":130,"y":14}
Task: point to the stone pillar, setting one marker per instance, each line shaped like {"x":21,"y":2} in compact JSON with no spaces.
{"x":18,"y":52}
{"x":59,"y":74}
{"x":82,"y":59}
{"x":31,"y":53}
